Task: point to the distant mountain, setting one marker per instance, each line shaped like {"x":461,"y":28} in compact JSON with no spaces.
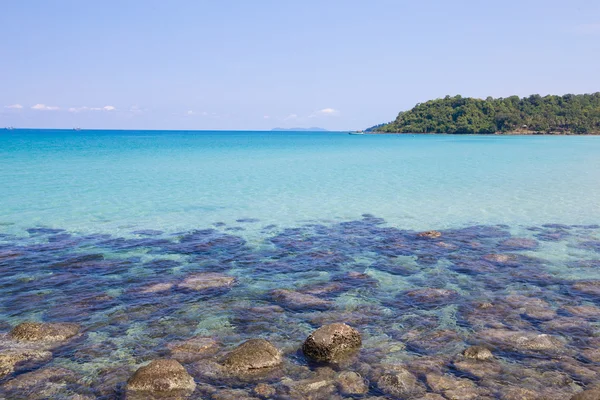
{"x":312,"y":129}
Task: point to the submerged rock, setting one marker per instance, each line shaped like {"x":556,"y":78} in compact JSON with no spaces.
{"x":429,"y":234}
{"x":263,"y":390}
{"x":523,"y":341}
{"x":480,"y":369}
{"x":254,"y":354}
{"x":161,"y":376}
{"x":588,"y":287}
{"x":431,"y":297}
{"x":193,"y":349}
{"x":157,"y":288}
{"x":519,"y":244}
{"x":44,"y":332}
{"x":592,"y":393}
{"x":295,"y":300}
{"x":331,"y":341}
{"x":351,"y":383}
{"x":400,"y":383}
{"x":478,"y":353}
{"x":207,"y":280}
{"x":9,"y":359}
{"x":433,"y":341}
{"x":585,"y":311}
{"x":34,"y":379}
{"x":321,"y":386}
{"x":454,"y":388}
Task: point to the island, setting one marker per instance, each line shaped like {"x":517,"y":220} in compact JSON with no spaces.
{"x":566,"y":115}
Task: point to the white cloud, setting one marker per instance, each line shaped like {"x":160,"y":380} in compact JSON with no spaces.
{"x":291,"y":116}
{"x":84,"y":108}
{"x":266,"y":117}
{"x":325,"y":112}
{"x":190,"y":112}
{"x":328,"y":111}
{"x":14,"y":106}
{"x":44,"y":107}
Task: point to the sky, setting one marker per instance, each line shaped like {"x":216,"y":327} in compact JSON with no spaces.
{"x":256,"y":65}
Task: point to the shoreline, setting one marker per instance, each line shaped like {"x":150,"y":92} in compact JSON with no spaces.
{"x":485,"y":134}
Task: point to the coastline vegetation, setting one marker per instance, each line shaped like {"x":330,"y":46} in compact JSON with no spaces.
{"x":568,"y":114}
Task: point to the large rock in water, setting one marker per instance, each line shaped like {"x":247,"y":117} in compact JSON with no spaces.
{"x":161,"y":376}
{"x":254,"y":354}
{"x":331,"y":341}
{"x":43,"y":332}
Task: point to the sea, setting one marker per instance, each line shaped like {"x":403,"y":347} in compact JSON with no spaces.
{"x":426,"y":244}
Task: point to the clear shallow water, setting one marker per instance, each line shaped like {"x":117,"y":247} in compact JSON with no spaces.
{"x":118,"y":181}
{"x":90,"y":221}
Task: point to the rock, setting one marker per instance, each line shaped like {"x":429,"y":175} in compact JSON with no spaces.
{"x":157,"y":288}
{"x":519,"y":393}
{"x":254,"y":354}
{"x":330,"y":342}
{"x":478,"y":353}
{"x":320,"y":386}
{"x":44,"y":332}
{"x":232,"y":394}
{"x":532,"y":307}
{"x":589,"y":394}
{"x":401,"y":383}
{"x":295,"y":300}
{"x":429,"y":234}
{"x":161,"y":376}
{"x":503,"y":259}
{"x":568,"y":326}
{"x":584,"y":311}
{"x":431,"y":396}
{"x":434,"y":341}
{"x":317,"y":388}
{"x":41,"y":376}
{"x":264,"y":391}
{"x":426,"y":364}
{"x":9,"y":359}
{"x":351,"y":383}
{"x":592,"y":354}
{"x":479,"y":369}
{"x":519,"y":244}
{"x":207,"y":280}
{"x":193,"y":349}
{"x":588,"y":287}
{"x":431,"y":297}
{"x":454,"y":388}
{"x":523,"y":341}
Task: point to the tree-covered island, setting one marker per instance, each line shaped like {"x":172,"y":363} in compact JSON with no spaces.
{"x":568,"y":114}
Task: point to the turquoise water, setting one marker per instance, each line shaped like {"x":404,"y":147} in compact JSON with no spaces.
{"x":115,"y":181}
{"x":105,"y":229}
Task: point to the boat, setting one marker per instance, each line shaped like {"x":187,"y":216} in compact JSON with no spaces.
{"x":356,"y":133}
{"x":77,"y":128}
{"x":9,"y":128}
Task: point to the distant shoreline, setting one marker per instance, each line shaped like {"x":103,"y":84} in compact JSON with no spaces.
{"x":485,"y":134}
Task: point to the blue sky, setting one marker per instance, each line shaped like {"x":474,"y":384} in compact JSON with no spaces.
{"x":237,"y":64}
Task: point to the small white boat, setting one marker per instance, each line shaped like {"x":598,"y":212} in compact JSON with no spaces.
{"x":356,"y":133}
{"x":9,"y":128}
{"x":77,"y":128}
